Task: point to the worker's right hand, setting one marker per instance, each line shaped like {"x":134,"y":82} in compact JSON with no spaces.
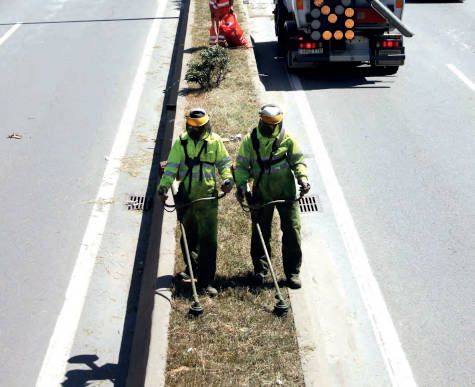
{"x":304,"y":186}
{"x":227,"y":185}
{"x":162,"y":194}
{"x":240,"y":193}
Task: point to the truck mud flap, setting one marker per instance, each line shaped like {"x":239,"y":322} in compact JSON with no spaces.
{"x":296,"y":61}
{"x":389,"y":60}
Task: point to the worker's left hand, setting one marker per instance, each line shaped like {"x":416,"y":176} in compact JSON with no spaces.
{"x":227,"y":185}
{"x":241,"y":193}
{"x":304,"y":186}
{"x":162,"y":193}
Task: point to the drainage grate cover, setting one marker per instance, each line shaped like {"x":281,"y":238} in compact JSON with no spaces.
{"x":139,"y":203}
{"x":309,"y":204}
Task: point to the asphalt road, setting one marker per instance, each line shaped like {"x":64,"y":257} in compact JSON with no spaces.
{"x":65,"y":76}
{"x":401,"y":146}
{"x":402,"y":150}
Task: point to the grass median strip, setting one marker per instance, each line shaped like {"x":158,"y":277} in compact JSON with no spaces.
{"x":238,"y":341}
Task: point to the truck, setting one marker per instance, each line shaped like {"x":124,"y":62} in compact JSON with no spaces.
{"x":354,"y":32}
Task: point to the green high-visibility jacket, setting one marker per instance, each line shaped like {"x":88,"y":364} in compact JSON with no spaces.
{"x":277,"y":182}
{"x":203,"y":174}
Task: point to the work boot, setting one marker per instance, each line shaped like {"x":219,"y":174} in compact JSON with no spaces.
{"x":293,"y":282}
{"x":259,"y":278}
{"x":209,"y":291}
{"x":184,"y":277}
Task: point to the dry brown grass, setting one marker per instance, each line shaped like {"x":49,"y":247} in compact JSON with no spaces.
{"x":238,"y":341}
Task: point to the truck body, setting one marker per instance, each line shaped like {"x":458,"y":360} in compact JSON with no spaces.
{"x":356,"y":32}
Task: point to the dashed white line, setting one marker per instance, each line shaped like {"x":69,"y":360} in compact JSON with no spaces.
{"x":397,"y":366}
{"x":461,"y":76}
{"x":62,"y":339}
{"x":9,"y":33}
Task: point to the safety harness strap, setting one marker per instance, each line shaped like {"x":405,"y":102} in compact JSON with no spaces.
{"x":267,"y":164}
{"x":191,"y":162}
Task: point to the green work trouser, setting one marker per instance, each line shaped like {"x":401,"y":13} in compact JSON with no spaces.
{"x":290,"y":226}
{"x":200,"y":221}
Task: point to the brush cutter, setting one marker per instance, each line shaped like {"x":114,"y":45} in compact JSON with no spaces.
{"x":195,"y":308}
{"x":280,"y":308}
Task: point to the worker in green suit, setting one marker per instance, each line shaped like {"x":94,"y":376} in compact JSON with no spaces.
{"x":271,"y":158}
{"x":193,"y":160}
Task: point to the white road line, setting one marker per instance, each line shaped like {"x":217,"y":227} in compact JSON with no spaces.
{"x":62,"y":339}
{"x":397,"y":366}
{"x":461,"y":76}
{"x":9,"y":33}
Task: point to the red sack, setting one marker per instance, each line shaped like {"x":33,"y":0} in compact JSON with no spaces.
{"x":232,"y":31}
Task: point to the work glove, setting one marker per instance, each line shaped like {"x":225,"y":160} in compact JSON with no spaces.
{"x":162,"y":193}
{"x":227,"y":185}
{"x":240,"y":193}
{"x":304,"y":185}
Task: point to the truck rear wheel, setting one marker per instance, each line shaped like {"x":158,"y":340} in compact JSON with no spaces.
{"x":288,"y":62}
{"x":281,"y":17}
{"x":290,"y":29}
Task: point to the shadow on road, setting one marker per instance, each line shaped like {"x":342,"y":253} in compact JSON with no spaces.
{"x":273,"y":72}
{"x":83,"y":377}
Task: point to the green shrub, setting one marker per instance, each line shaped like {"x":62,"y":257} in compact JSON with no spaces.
{"x":211,"y":69}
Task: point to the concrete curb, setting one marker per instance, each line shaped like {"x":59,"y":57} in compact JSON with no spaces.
{"x":157,"y":358}
{"x":149,"y":353}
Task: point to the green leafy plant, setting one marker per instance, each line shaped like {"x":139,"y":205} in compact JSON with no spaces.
{"x":211,"y":68}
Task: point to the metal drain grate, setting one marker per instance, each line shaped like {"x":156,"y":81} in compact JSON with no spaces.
{"x":309,"y":204}
{"x":139,"y":203}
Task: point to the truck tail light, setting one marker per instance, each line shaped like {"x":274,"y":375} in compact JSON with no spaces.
{"x":389,"y":43}
{"x":399,"y":4}
{"x":308,"y":45}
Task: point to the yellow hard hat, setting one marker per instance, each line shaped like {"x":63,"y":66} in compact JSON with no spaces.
{"x":197,"y":117}
{"x":271,"y":114}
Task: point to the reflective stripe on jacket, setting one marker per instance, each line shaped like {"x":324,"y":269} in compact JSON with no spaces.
{"x":203,"y":178}
{"x":220,"y":7}
{"x":278,"y":182}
